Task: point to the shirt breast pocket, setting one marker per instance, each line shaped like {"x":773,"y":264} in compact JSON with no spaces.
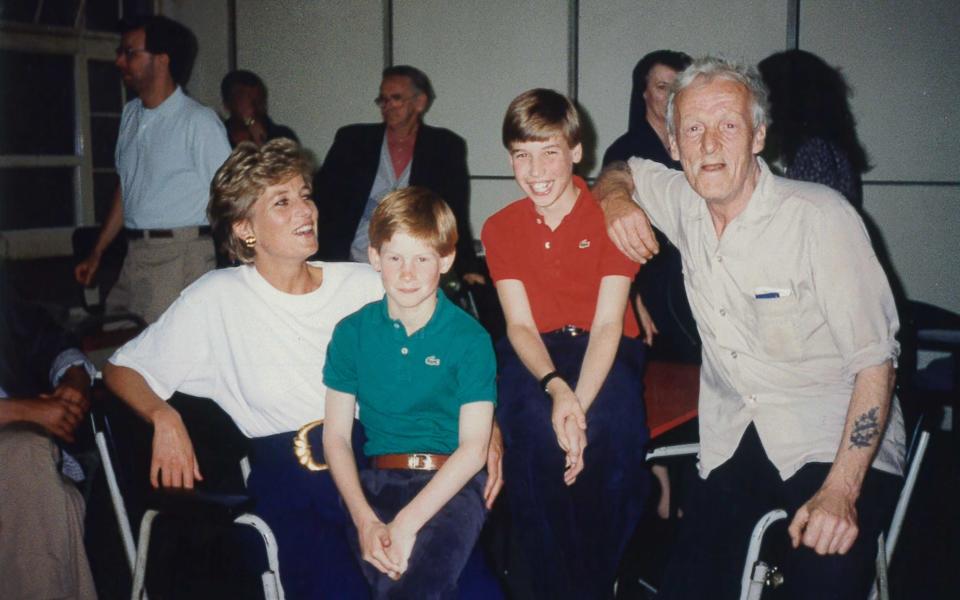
{"x":778,"y":328}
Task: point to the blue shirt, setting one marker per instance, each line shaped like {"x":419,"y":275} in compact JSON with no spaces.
{"x":384,"y":182}
{"x":410,"y":388}
{"x":166,"y":158}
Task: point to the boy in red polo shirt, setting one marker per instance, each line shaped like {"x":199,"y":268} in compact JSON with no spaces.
{"x":570,"y":391}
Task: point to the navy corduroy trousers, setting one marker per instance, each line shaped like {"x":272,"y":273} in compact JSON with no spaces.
{"x":573,"y":537}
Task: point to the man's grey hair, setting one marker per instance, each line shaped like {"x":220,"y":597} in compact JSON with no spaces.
{"x":710,"y":68}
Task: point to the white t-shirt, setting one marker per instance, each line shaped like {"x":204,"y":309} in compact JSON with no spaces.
{"x":256,"y":351}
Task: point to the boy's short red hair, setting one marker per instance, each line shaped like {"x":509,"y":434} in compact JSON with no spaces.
{"x":417,"y":212}
{"x":539,"y":114}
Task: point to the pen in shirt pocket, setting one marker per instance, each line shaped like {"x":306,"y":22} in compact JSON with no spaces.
{"x":768,"y":293}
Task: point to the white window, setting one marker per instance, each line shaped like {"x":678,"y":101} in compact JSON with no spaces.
{"x":60,"y":103}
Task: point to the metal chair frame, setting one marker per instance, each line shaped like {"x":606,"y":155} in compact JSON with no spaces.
{"x":137,"y":553}
{"x":755,"y":571}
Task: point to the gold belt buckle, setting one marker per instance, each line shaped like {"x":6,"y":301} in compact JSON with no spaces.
{"x":420,"y":462}
{"x":302,"y":449}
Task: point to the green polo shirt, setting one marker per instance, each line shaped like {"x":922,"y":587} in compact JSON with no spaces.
{"x":410,"y":388}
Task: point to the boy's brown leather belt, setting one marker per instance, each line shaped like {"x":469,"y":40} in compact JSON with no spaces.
{"x":417,"y":462}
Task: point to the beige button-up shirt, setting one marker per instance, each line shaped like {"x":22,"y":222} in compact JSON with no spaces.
{"x":791,"y":304}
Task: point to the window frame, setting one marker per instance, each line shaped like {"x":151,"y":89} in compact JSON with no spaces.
{"x":82,"y":46}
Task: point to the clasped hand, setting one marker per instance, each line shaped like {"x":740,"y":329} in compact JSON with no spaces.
{"x":387,"y":547}
{"x":61,"y":411}
{"x":570,"y":425}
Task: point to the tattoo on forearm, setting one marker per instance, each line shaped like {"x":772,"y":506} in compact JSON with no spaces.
{"x":865,"y":429}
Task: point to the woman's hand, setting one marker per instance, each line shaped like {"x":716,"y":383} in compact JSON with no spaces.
{"x":375,"y":542}
{"x":173,"y":462}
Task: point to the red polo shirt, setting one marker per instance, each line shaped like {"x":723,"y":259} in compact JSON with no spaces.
{"x":560,"y":269}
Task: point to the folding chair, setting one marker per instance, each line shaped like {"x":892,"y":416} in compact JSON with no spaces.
{"x":123,"y":442}
{"x":758,"y":574}
{"x":671,"y":390}
{"x":658,"y":455}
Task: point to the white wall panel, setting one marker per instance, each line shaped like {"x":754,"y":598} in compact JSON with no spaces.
{"x":901,"y":59}
{"x":207,"y":20}
{"x":320,"y":59}
{"x":489,"y":196}
{"x":479,"y":56}
{"x":615,"y":34}
{"x":919,"y":226}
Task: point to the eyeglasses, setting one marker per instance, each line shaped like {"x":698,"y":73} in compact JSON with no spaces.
{"x":394,"y":99}
{"x":129,"y":53}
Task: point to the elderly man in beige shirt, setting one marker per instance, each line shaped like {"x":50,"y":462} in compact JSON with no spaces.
{"x":798,"y":325}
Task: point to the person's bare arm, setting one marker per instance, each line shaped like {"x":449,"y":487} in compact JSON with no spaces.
{"x":605,"y":333}
{"x":526,"y":341}
{"x":86,"y":270}
{"x":463,"y":464}
{"x":648,"y":328}
{"x":627,"y":224}
{"x":828,"y":521}
{"x":338,"y":451}
{"x":494,"y":466}
{"x":173,"y":462}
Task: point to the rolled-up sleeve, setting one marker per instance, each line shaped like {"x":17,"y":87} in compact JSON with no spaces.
{"x":852,"y":289}
{"x":661,"y":193}
{"x":71,"y":357}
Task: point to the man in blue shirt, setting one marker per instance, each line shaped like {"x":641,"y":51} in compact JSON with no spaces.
{"x":168,"y":150}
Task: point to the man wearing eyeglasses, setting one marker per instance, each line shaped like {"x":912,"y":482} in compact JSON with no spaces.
{"x":367,"y":161}
{"x":168,"y":149}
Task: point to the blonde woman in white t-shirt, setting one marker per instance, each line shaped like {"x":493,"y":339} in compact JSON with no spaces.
{"x":253,"y":338}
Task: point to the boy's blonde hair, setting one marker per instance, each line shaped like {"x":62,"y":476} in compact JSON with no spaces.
{"x":417,"y":212}
{"x":539,"y":114}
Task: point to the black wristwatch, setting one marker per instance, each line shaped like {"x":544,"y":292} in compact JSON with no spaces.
{"x":546,"y":379}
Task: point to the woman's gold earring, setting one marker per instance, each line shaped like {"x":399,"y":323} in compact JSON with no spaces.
{"x":250,"y":241}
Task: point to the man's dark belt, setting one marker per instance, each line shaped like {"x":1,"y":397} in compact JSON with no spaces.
{"x":139,"y":234}
{"x":569,"y":331}
{"x":417,"y":462}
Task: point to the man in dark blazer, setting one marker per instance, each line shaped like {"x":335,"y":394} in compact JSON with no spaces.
{"x":367,"y":161}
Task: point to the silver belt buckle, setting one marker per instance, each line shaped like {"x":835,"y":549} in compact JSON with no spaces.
{"x":420,"y":462}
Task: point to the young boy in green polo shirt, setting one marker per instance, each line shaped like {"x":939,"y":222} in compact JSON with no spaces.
{"x":423,"y":374}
